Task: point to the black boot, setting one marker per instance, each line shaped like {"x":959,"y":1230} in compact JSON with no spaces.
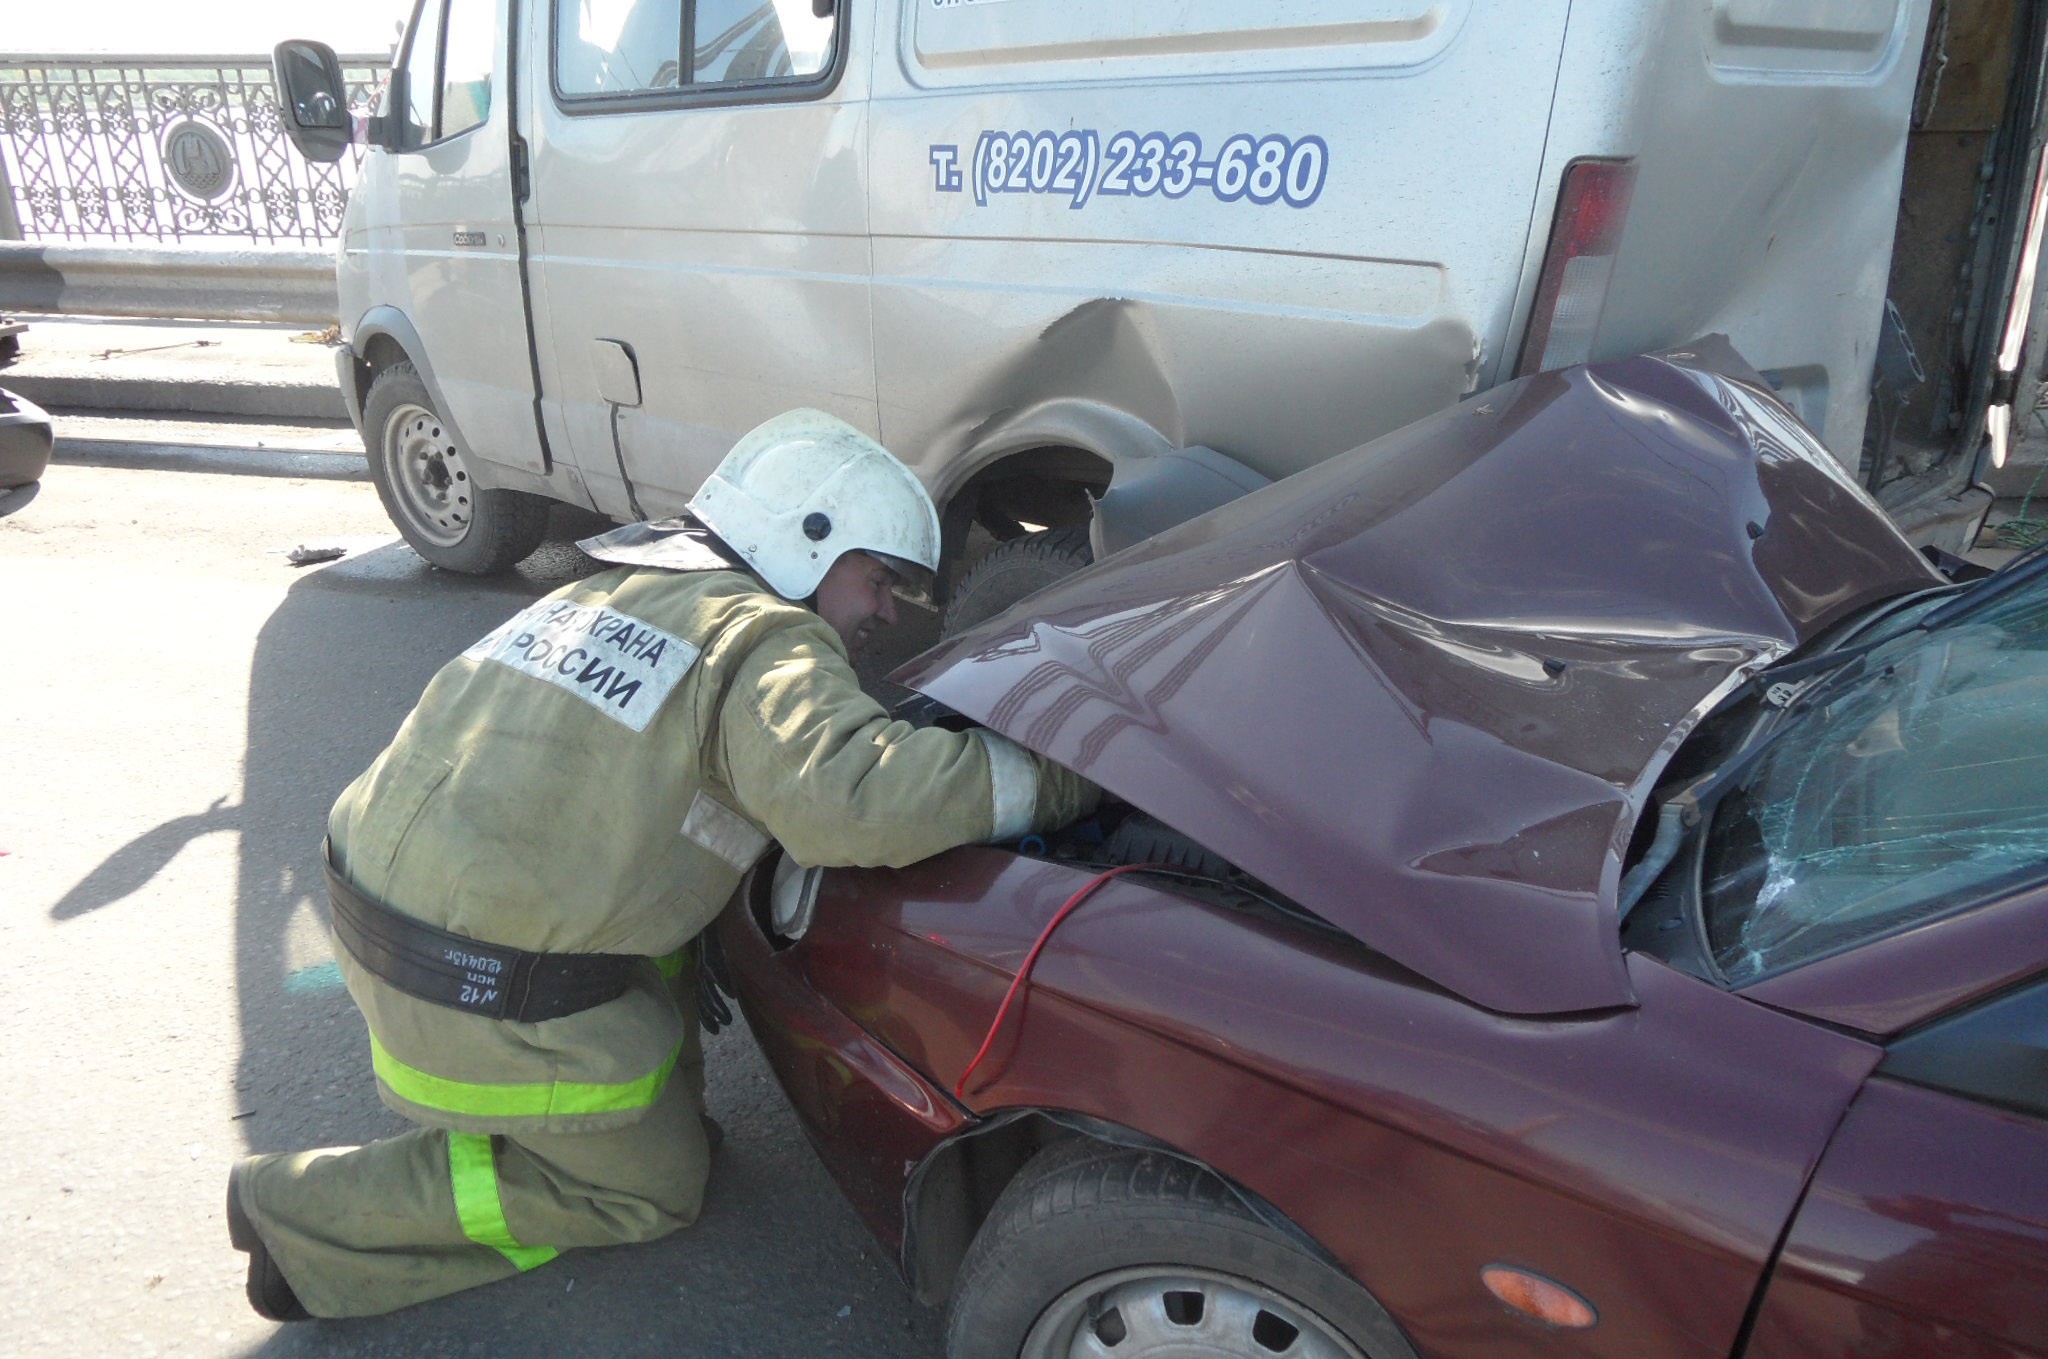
{"x":269,"y":1293}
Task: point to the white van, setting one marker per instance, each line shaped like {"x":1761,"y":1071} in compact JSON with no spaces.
{"x":1042,"y":248}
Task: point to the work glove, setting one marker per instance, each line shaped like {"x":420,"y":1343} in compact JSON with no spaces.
{"x":714,"y":984}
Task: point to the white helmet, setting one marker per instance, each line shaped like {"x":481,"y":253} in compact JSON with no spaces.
{"x":797,"y":493}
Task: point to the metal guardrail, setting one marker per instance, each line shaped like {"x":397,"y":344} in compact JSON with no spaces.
{"x":204,"y":282}
{"x":164,"y":149}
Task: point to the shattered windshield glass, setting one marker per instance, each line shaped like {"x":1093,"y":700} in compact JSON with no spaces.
{"x":1913,"y":787}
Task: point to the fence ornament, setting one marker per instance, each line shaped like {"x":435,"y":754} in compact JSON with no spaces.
{"x":166,"y":149}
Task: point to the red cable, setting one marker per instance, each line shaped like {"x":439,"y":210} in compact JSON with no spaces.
{"x":1030,"y":959}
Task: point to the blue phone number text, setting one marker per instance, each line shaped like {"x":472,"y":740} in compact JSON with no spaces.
{"x":1081,"y":164}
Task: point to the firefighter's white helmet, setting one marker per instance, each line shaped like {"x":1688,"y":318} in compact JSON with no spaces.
{"x":805,"y":488}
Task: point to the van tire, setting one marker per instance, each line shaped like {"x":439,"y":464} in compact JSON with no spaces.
{"x":423,"y":478}
{"x":1022,"y":566}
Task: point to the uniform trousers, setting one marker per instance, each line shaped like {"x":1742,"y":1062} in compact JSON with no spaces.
{"x":364,"y":1230}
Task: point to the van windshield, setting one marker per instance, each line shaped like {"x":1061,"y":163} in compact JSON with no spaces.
{"x":1917,"y":788}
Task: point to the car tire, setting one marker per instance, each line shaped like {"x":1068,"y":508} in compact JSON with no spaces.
{"x":1020,"y":567}
{"x":1092,"y":1247}
{"x":423,"y":478}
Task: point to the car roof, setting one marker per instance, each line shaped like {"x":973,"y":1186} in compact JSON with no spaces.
{"x":1424,"y":688}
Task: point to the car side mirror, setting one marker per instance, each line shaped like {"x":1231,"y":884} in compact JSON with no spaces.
{"x":823,"y":9}
{"x":315,"y":102}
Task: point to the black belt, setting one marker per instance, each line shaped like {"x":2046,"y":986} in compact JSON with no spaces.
{"x":467,"y":974}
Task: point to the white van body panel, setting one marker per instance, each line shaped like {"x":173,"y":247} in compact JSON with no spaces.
{"x":1281,"y":332}
{"x":711,"y":309}
{"x":1771,"y":145}
{"x":1097,"y":232}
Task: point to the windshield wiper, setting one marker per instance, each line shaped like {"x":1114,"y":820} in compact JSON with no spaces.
{"x":2028,"y":566}
{"x":1791,"y":681}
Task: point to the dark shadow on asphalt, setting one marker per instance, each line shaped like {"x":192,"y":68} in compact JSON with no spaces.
{"x":777,"y":1265}
{"x":128,"y":869}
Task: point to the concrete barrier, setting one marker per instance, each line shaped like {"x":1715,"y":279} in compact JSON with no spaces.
{"x":206,"y":283}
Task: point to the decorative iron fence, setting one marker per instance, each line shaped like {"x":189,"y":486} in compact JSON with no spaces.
{"x":164,"y":148}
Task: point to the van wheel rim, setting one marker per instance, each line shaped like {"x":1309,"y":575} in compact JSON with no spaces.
{"x":1187,"y":1314}
{"x":428,"y":475}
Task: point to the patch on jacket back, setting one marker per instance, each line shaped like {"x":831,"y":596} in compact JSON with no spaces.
{"x":617,"y":664}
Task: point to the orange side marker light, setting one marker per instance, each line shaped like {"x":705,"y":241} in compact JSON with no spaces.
{"x":1535,"y":1296}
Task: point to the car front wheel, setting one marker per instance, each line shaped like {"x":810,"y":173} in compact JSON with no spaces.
{"x":1111,"y":1254}
{"x":425,"y":482}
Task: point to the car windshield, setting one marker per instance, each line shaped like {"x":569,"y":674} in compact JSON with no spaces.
{"x":1905,"y":789}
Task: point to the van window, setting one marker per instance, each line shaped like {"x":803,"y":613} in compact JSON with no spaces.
{"x":753,"y":40}
{"x":420,"y":81}
{"x":617,"y":46}
{"x":625,"y":47}
{"x":466,"y":64}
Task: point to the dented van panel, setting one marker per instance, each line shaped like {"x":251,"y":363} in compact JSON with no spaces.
{"x":1367,"y":288}
{"x":1424,"y":688}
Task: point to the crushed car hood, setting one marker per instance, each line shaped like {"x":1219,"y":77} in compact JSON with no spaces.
{"x":1424,"y":688}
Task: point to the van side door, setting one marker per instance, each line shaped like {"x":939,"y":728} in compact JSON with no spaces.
{"x":457,"y":235}
{"x":700,"y":205}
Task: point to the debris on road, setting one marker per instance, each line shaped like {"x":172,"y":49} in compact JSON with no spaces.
{"x":313,"y":556}
{"x":155,"y":348}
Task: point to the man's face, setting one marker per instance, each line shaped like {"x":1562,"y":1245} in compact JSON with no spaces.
{"x":856,"y":598}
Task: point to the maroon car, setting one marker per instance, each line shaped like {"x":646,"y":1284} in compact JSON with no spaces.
{"x":1597,"y":904}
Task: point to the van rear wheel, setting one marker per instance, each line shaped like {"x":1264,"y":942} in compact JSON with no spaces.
{"x":1022,"y":566}
{"x":424,"y":479}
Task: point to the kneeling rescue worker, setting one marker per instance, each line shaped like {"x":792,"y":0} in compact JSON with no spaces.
{"x":519,"y":880}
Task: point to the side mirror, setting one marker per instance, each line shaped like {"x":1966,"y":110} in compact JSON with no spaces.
{"x":315,"y":107}
{"x":823,"y":9}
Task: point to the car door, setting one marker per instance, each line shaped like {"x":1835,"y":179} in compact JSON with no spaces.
{"x":458,"y":232}
{"x":1925,"y":1229}
{"x":699,"y":203}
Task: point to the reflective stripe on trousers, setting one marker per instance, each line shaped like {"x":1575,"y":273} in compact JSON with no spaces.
{"x":473,"y":1174}
{"x":516,"y":1101}
{"x":538,"y":1100}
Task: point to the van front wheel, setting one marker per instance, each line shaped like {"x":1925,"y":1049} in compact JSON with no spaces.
{"x":424,"y":480}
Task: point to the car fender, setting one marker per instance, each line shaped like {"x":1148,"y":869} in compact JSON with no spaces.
{"x":936,"y":1233}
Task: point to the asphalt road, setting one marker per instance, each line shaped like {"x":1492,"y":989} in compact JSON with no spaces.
{"x":178,"y":708}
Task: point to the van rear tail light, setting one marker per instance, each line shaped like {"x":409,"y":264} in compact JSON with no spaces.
{"x":1592,"y":204}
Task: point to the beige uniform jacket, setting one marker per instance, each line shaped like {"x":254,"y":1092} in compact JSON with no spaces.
{"x":593,"y":777}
